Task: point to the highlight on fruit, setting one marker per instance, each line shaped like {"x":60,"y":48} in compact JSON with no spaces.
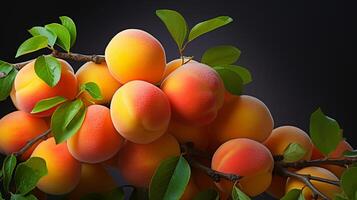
{"x":130,"y":124}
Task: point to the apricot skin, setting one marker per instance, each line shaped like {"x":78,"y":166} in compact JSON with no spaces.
{"x":241,"y":117}
{"x":195,"y":92}
{"x":138,"y":162}
{"x":16,"y":129}
{"x":135,"y":55}
{"x":94,"y":179}
{"x":338,"y":153}
{"x":97,"y":140}
{"x":327,"y":189}
{"x":63,"y":170}
{"x":247,"y":158}
{"x":99,"y":74}
{"x":140,"y":112}
{"x":173,"y":65}
{"x":28,"y":88}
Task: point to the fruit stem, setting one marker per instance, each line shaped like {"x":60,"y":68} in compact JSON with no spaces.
{"x":32,"y":142}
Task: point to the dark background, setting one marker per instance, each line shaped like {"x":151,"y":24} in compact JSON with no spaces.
{"x":301,"y":53}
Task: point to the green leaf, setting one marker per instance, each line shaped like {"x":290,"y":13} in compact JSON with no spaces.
{"x":38,"y":30}
{"x":18,"y":197}
{"x":31,"y":197}
{"x":340,"y":197}
{"x":221,"y":55}
{"x":209,"y":194}
{"x":243,"y":72}
{"x":349,"y":182}
{"x":170,"y":179}
{"x":33,"y":44}
{"x":175,"y":23}
{"x":63,"y":35}
{"x":325,"y":132}
{"x":93,"y":89}
{"x":7,"y":170}
{"x":294,"y":152}
{"x":71,"y":27}
{"x":48,"y":69}
{"x":7,"y":81}
{"x":67,"y":120}
{"x":350,"y":154}
{"x":28,"y":173}
{"x":293,"y":194}
{"x":46,"y":104}
{"x":232,"y":80}
{"x":207,"y":26}
{"x":237,"y":194}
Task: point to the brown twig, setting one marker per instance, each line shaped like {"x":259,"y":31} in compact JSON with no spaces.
{"x":213,"y":174}
{"x":32,"y":142}
{"x":305,"y":179}
{"x":343,"y":162}
{"x":68,"y":56}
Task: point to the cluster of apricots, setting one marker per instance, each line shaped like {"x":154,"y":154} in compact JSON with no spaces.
{"x":150,"y":107}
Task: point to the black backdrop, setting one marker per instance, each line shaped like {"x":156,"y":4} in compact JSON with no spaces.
{"x":301,"y":53}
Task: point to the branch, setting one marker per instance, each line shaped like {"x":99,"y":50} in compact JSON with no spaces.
{"x":32,"y":142}
{"x":68,"y":56}
{"x":189,"y":151}
{"x":305,"y":179}
{"x":213,"y":174}
{"x":306,"y":163}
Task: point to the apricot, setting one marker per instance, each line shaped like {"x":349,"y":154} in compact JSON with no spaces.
{"x":140,"y":112}
{"x":16,"y":129}
{"x":337,"y":153}
{"x":64,"y":171}
{"x":195,"y":92}
{"x":28,"y":88}
{"x":185,"y":133}
{"x":242,"y":117}
{"x":247,"y":158}
{"x":135,"y":55}
{"x":191,"y":190}
{"x":327,"y":189}
{"x":137,"y":162}
{"x":281,"y":137}
{"x":97,"y":140}
{"x":174,"y":64}
{"x":99,"y":74}
{"x":94,"y":179}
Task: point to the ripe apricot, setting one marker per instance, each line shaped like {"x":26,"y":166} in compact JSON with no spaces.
{"x":64,"y":171}
{"x":28,"y":88}
{"x":16,"y":129}
{"x":140,"y":112}
{"x":185,"y":133}
{"x":247,"y":158}
{"x":138,"y":162}
{"x":99,"y":74}
{"x":135,"y":55}
{"x":191,"y":190}
{"x":97,"y":140}
{"x":195,"y":92}
{"x":174,"y":64}
{"x":327,"y":189}
{"x":241,"y":117}
{"x":94,"y":179}
{"x":337,"y":153}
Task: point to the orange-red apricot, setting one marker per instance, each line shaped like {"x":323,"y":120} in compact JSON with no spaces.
{"x":247,"y":158}
{"x":135,"y":55}
{"x":64,"y":171}
{"x":99,"y":74}
{"x":195,"y":92}
{"x":138,"y":162}
{"x":28,"y":88}
{"x":97,"y":140}
{"x":140,"y":112}
{"x":16,"y":129}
